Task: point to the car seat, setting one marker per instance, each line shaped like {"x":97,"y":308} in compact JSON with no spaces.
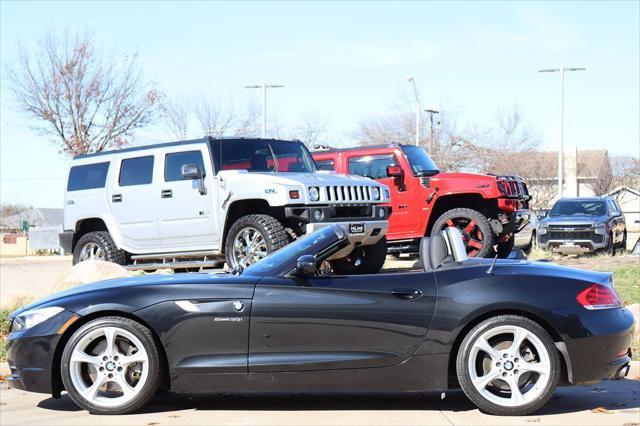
{"x":445,"y":247}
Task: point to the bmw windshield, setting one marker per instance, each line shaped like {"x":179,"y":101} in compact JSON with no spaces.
{"x":284,"y":260}
{"x":421,"y":163}
{"x":262,"y":156}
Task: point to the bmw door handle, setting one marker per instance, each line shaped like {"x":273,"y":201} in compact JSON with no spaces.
{"x":116,"y":198}
{"x":406,"y":293}
{"x":166,"y":193}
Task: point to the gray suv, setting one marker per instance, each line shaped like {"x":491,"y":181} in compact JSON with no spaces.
{"x":583,"y":225}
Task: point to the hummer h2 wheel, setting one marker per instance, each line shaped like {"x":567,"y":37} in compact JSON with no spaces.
{"x":252,"y":238}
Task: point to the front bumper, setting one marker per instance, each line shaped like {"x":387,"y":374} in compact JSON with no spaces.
{"x":30,"y":355}
{"x":510,"y":223}
{"x":571,"y":245}
{"x":372,"y":231}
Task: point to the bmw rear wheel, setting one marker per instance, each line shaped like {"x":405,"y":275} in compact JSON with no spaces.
{"x":508,"y":365}
{"x":111,"y":366}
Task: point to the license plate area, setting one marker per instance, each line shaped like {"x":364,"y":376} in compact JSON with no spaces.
{"x":356,"y":228}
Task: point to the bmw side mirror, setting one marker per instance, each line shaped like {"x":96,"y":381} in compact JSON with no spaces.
{"x":306,"y":266}
{"x":193,"y":171}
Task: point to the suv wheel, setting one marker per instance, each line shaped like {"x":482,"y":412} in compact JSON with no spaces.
{"x":508,"y":365}
{"x":362,"y":260}
{"x":253,"y":237}
{"x":98,"y":246}
{"x":475,"y":228}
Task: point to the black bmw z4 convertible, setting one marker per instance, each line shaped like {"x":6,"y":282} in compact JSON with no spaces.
{"x":507,"y":332}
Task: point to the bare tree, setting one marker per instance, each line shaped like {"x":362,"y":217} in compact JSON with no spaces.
{"x":187,"y":117}
{"x":594,"y":168}
{"x":312,"y":130}
{"x":9,"y":209}
{"x":86,"y":100}
{"x":176,"y":115}
{"x":625,"y":170}
{"x":214,"y":120}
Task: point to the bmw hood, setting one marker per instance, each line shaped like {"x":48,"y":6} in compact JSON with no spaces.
{"x":140,"y":281}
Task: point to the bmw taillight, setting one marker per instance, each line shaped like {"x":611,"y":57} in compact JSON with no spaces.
{"x":599,"y":296}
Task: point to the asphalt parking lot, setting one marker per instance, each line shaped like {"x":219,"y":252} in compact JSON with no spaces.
{"x":607,"y":403}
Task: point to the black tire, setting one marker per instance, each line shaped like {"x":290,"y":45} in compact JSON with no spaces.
{"x":464,"y":378}
{"x":504,"y":249}
{"x":103,"y":240}
{"x":610,"y":249}
{"x":363,"y":260}
{"x":270,"y":228}
{"x":149,"y":388}
{"x":532,"y":244}
{"x":481,"y":231}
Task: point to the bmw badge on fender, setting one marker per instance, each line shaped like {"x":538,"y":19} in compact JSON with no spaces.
{"x":505,"y":331}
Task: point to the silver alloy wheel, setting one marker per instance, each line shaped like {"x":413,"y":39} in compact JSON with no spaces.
{"x":249,"y":246}
{"x":109,"y":366}
{"x":91,"y":251}
{"x":509,"y":366}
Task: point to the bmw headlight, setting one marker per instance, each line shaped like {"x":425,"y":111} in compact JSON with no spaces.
{"x":375,"y":192}
{"x":33,"y":317}
{"x":314,"y":193}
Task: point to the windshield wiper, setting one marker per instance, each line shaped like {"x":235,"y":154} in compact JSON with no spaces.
{"x":275,"y":159}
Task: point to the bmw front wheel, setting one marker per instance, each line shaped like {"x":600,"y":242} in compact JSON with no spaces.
{"x":508,"y":365}
{"x":111,"y":366}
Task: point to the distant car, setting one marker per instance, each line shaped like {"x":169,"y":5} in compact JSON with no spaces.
{"x":583,"y":225}
{"x":525,"y":239}
{"x":505,"y":331}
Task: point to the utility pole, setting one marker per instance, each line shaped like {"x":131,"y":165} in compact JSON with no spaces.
{"x":411,"y":80}
{"x":431,"y":112}
{"x":561,"y":70}
{"x":264,"y":87}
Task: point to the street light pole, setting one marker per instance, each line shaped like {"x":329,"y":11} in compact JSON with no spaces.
{"x":264,"y":87}
{"x":411,"y":80}
{"x":431,"y":112}
{"x":561,"y":70}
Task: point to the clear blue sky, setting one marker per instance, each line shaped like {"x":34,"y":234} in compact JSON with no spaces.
{"x":347,"y":61}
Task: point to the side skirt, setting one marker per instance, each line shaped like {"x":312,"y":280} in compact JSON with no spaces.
{"x":419,"y":373}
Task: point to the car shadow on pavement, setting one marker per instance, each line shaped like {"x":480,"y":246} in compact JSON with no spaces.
{"x":607,"y":395}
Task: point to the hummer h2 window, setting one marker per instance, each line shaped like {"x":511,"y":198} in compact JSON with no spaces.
{"x":173,"y":164}
{"x":371,"y":166}
{"x":136,"y":171}
{"x":262,"y":156}
{"x":325,"y":165}
{"x":90,"y":176}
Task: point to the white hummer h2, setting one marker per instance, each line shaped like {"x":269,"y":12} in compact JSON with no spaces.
{"x":187,"y":205}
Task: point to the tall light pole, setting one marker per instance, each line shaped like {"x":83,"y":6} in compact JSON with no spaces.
{"x":264,"y":87}
{"x":431,"y":112}
{"x":411,"y":80}
{"x":561,"y":70}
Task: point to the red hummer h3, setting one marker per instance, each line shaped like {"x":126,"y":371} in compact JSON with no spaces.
{"x":487,"y":209}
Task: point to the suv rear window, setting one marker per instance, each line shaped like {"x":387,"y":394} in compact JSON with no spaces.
{"x":371,"y":166}
{"x":136,"y":171}
{"x":173,"y":164}
{"x":89,"y":176}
